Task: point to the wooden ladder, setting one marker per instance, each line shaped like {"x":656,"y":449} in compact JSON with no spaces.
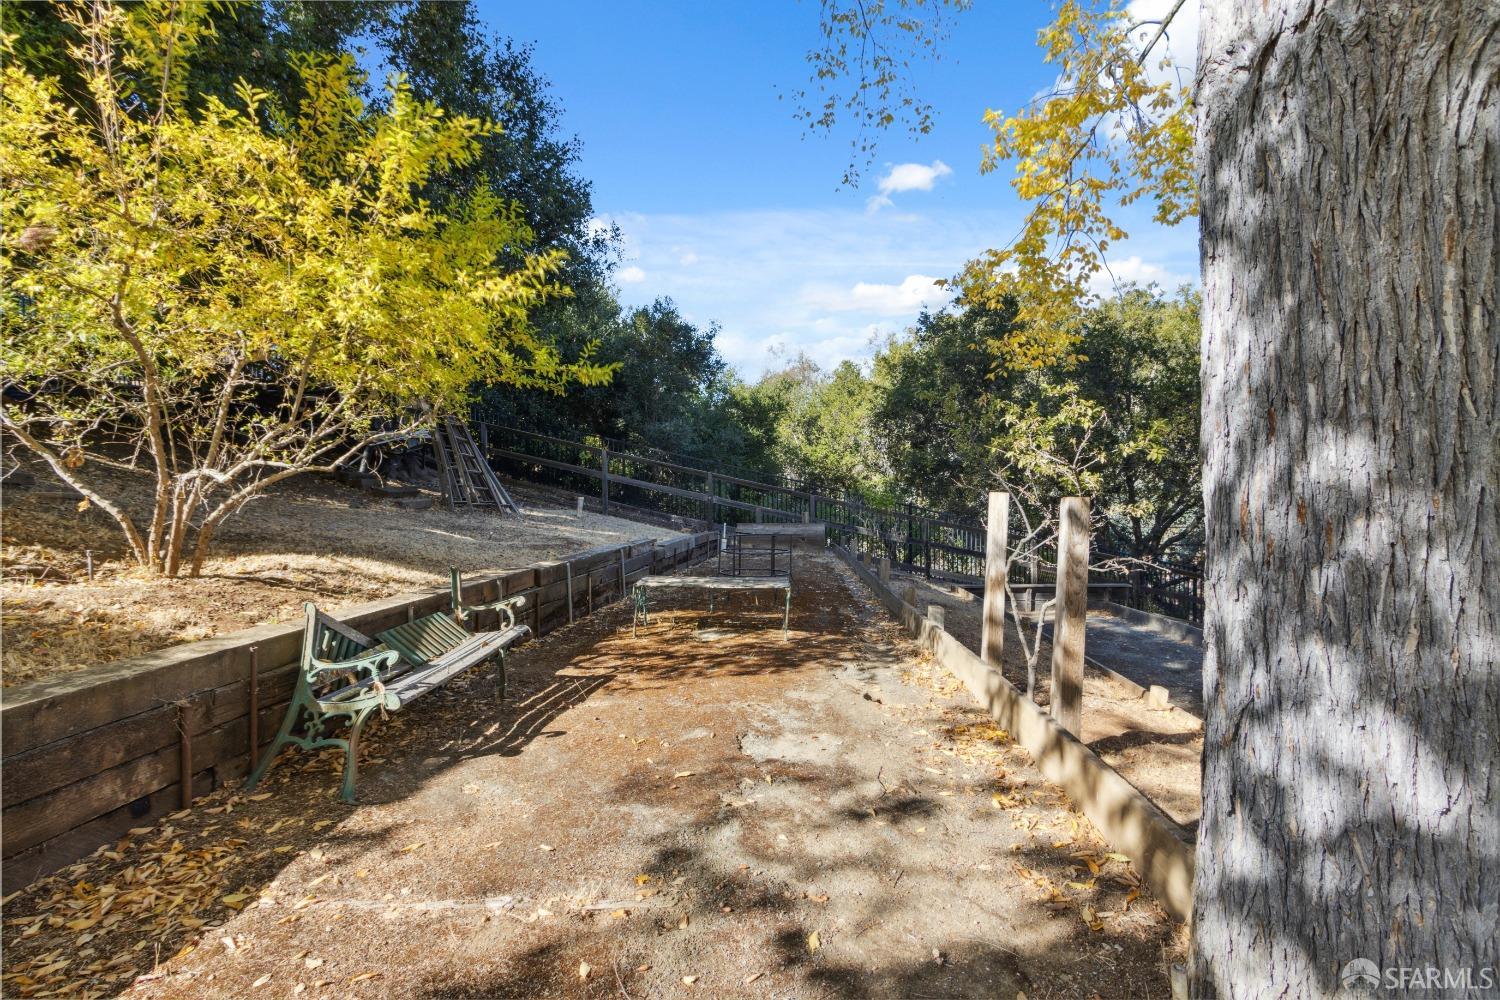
{"x":468,"y":479}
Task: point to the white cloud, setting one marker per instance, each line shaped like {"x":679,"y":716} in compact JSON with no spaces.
{"x":910,"y":296}
{"x":824,"y":282}
{"x":908,"y":177}
{"x":631,"y":275}
{"x":1135,"y":270}
{"x":821,"y":282}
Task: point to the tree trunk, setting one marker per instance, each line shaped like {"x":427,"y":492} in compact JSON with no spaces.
{"x":1349,"y":159}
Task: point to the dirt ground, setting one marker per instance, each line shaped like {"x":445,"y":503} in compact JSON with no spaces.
{"x":702,"y":810}
{"x":311,"y":540}
{"x":1157,"y":750}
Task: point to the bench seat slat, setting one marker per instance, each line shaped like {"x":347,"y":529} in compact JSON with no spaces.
{"x":454,"y":661}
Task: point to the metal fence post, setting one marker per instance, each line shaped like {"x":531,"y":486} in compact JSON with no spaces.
{"x":604,"y":478}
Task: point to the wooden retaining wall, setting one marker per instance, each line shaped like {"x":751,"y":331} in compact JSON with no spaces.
{"x":90,"y":754}
{"x":1160,"y":849}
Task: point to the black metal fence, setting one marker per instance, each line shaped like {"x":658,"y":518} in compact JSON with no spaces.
{"x":913,"y":538}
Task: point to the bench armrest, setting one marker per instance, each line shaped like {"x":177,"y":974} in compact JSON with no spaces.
{"x":507,"y":607}
{"x":372,"y":664}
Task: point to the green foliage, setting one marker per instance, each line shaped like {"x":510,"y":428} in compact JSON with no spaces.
{"x":243,"y":304}
{"x":671,"y":390}
{"x":1118,"y":421}
{"x":936,"y":420}
{"x":822,"y":426}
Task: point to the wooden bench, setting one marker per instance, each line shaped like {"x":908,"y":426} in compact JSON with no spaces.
{"x":714,"y":585}
{"x":345,"y":676}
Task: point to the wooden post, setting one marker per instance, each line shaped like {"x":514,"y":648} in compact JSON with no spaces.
{"x":484,"y":441}
{"x":885,"y":569}
{"x":604,"y":478}
{"x":936,"y":615}
{"x":909,"y":594}
{"x":992,"y":632}
{"x":1069,"y":613}
{"x":580,"y":507}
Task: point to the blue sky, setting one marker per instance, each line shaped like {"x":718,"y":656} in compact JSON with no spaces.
{"x":729,"y":209}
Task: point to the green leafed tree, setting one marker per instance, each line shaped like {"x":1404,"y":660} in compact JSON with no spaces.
{"x":223,"y":305}
{"x":822,"y":426}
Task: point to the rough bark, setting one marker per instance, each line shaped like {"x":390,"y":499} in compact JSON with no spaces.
{"x":1349,"y":159}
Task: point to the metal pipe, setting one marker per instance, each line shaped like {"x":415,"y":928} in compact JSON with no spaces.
{"x":254,"y":703}
{"x":185,"y":753}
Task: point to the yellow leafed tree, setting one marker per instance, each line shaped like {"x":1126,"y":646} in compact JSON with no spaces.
{"x":226,"y":305}
{"x":1108,"y":134}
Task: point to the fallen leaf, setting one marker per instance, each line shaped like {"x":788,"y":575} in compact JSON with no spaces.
{"x":682,"y":924}
{"x":83,"y":505}
{"x":584,"y":969}
{"x":362,"y":977}
{"x":684,"y":774}
{"x":263,"y":980}
{"x":753,"y":977}
{"x":813,"y":943}
{"x":260,"y":797}
{"x":642,"y":879}
{"x":413,"y":847}
{"x":545,"y":847}
{"x":313,"y":963}
{"x":689,"y":980}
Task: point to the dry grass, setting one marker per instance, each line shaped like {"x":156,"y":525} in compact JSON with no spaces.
{"x":314,"y":540}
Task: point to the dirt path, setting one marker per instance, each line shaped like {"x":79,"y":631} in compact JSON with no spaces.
{"x":678,"y":814}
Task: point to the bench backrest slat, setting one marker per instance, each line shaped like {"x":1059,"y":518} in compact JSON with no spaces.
{"x":428,"y":637}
